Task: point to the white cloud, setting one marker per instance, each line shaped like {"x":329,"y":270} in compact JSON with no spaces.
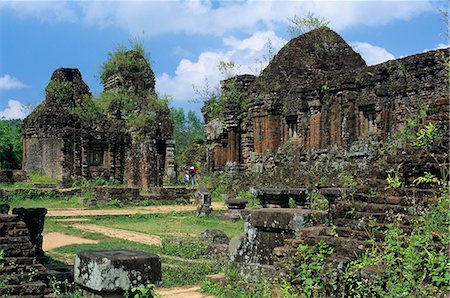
{"x":14,"y":110}
{"x":250,"y":53}
{"x":201,"y":17}
{"x":61,"y":11}
{"x":439,"y":46}
{"x":8,"y":82}
{"x":370,"y":53}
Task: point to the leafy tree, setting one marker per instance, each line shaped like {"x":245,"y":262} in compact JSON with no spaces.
{"x":187,"y":129}
{"x":10,"y":144}
{"x":301,"y":25}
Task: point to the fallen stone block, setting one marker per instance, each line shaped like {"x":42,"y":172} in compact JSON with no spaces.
{"x":116,"y":271}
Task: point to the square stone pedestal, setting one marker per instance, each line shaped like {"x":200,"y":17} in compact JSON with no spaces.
{"x":106,"y":273}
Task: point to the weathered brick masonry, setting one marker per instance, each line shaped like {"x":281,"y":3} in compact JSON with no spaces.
{"x":317,"y":93}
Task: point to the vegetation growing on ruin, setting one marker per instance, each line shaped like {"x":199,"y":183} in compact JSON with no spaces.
{"x":404,"y":265}
{"x":123,"y":59}
{"x":300,"y":25}
{"x":214,"y":100}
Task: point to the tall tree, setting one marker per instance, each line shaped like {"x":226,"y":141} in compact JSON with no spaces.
{"x":10,"y":144}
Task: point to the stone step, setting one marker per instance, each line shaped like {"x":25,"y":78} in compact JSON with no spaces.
{"x":384,"y":217}
{"x":341,"y":245}
{"x":412,"y":192}
{"x":282,"y":251}
{"x":366,"y":225}
{"x":379,"y":208}
{"x":377,"y":183}
{"x":295,"y":242}
{"x":28,"y":289}
{"x":394,"y":200}
{"x":338,"y":231}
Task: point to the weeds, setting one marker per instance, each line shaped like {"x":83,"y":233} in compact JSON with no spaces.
{"x":185,"y":247}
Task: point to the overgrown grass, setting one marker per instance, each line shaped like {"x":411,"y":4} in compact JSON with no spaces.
{"x":238,"y":289}
{"x":182,"y":223}
{"x":40,"y":178}
{"x":33,"y":198}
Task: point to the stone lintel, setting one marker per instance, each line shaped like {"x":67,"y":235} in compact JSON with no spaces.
{"x":283,"y":219}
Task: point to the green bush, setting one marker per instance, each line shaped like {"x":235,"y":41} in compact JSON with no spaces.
{"x":116,"y":203}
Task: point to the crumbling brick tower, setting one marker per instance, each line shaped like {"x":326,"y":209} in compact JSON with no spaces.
{"x":68,"y":137}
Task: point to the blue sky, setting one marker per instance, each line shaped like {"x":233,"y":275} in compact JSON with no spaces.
{"x":187,"y":39}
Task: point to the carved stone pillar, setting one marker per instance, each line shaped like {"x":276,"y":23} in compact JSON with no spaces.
{"x":314,"y":123}
{"x":169,"y":167}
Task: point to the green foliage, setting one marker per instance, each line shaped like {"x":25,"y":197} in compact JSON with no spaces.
{"x":185,"y":247}
{"x":214,"y":100}
{"x":402,"y":265}
{"x":224,"y":184}
{"x":214,"y":105}
{"x":414,"y":132}
{"x":186,"y":130}
{"x":415,"y":265}
{"x":18,"y":195}
{"x":41,"y":178}
{"x":349,"y":182}
{"x":235,"y":288}
{"x":319,"y":202}
{"x":292,"y":203}
{"x":2,"y":264}
{"x":393,"y":180}
{"x":426,"y":135}
{"x":60,"y":92}
{"x":189,"y":273}
{"x":64,"y":288}
{"x":116,"y":203}
{"x":11,"y":143}
{"x":301,"y":25}
{"x":307,"y":264}
{"x":233,"y":95}
{"x":141,"y":292}
{"x":122,"y":59}
{"x":427,"y":179}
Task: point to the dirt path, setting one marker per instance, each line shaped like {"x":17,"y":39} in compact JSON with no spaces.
{"x":193,"y":292}
{"x":122,"y":234}
{"x":54,"y":240}
{"x":72,"y":212}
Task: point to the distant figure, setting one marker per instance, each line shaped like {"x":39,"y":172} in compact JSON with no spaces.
{"x":187,"y":177}
{"x":192,"y":173}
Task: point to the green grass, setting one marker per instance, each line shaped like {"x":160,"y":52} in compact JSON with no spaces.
{"x":183,"y":223}
{"x":66,"y":202}
{"x":42,"y":179}
{"x":176,"y":271}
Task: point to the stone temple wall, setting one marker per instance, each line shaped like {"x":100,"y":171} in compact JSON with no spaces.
{"x":317,"y":94}
{"x":44,"y":154}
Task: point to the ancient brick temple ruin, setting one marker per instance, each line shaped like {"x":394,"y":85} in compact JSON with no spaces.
{"x":317,"y":93}
{"x":66,"y":138}
{"x":318,"y":122}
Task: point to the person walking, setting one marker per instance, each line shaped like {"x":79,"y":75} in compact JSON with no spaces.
{"x":192,"y":174}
